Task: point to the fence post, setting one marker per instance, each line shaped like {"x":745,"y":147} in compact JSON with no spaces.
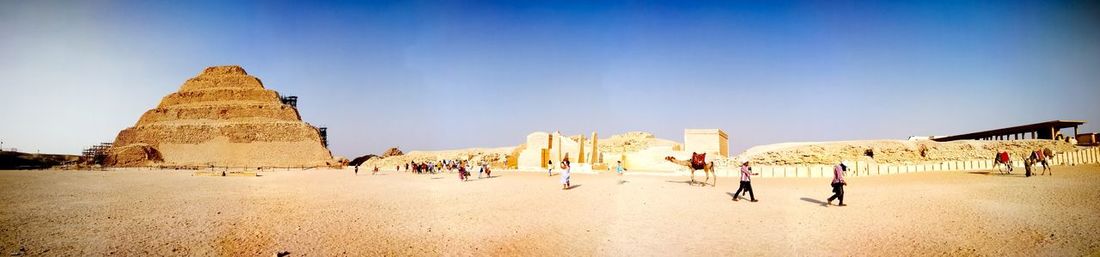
{"x":1095,"y":153}
{"x":1088,"y":153}
{"x":1085,"y":158}
{"x":1088,"y":156}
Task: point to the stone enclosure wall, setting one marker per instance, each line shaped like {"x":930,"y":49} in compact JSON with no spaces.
{"x":865,"y":168}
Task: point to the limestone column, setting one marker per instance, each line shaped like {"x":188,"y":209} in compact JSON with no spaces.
{"x":557,"y":138}
{"x":580,"y":150}
{"x":595,"y":158}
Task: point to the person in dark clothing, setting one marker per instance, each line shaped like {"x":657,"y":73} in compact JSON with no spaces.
{"x":838,"y":184}
{"x":1028,"y":163}
{"x":462,"y":175}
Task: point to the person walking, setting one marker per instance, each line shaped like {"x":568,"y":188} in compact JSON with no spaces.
{"x":1028,"y":163}
{"x":462,"y":175}
{"x":549,"y":168}
{"x":566,"y":170}
{"x":619,"y":169}
{"x":746,"y":183}
{"x":838,"y":184}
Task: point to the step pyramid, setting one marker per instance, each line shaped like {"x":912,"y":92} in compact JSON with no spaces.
{"x":222,"y":117}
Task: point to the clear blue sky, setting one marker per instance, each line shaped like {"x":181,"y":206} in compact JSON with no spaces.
{"x":456,"y":74}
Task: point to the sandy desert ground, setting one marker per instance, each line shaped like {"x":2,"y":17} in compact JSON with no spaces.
{"x":334,"y":213}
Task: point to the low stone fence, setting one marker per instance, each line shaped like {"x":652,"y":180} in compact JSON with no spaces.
{"x":1081,"y":156}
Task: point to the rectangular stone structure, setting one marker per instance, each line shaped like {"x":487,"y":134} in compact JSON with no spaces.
{"x":714,"y":141}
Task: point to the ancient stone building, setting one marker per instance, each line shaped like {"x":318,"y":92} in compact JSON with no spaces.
{"x":542,"y":147}
{"x":222,"y":117}
{"x":710,"y":141}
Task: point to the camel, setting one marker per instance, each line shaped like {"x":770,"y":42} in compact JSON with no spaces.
{"x":707,"y":167}
{"x":1002,"y":158}
{"x":1041,"y":157}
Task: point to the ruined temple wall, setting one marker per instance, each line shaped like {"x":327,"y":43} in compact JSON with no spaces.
{"x":711,"y":141}
{"x":563,"y":147}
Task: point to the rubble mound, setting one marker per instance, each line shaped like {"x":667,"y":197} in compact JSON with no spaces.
{"x":133,"y":155}
{"x":633,"y":142}
{"x":393,"y":151}
{"x":495,"y":157}
{"x":221,"y":117}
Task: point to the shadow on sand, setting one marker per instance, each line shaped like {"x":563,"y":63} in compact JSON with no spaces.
{"x":818,"y":202}
{"x":623,"y":182}
{"x":732,"y":195}
{"x":998,"y":173}
{"x":573,"y":186}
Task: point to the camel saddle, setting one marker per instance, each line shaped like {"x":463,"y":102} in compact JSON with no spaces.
{"x":698,"y":160}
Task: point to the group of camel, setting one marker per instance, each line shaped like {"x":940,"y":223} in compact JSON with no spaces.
{"x":1036,"y":157}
